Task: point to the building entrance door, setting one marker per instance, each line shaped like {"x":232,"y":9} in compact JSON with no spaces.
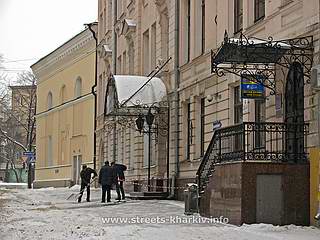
{"x":269,"y":199}
{"x":77,"y":168}
{"x":294,"y":111}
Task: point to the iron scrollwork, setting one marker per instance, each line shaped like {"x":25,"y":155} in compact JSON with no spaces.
{"x":259,"y":57}
{"x":252,"y":141}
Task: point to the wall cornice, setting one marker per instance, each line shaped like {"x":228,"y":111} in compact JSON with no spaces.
{"x":66,"y":50}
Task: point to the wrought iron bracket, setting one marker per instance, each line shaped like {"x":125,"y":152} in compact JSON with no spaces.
{"x":258,"y":57}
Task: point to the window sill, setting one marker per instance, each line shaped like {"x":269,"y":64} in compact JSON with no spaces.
{"x":283,"y":5}
{"x":146,"y":167}
{"x":237,"y":32}
{"x":258,"y":20}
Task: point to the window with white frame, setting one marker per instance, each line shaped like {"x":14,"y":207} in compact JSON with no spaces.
{"x":153,"y":46}
{"x":259,"y":9}
{"x":189,"y":131}
{"x":186,"y":29}
{"x":238,"y":15}
{"x":146,"y":53}
{"x":202,"y":125}
{"x":203,"y":26}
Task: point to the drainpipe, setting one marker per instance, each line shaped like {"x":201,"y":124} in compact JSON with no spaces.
{"x":93,"y":91}
{"x":176,"y":93}
{"x":317,"y":217}
{"x":114,"y":63}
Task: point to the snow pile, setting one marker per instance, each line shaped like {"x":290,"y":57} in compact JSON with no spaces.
{"x":46,"y":214}
{"x":13,"y":185}
{"x":75,"y":187}
{"x":45,"y":189}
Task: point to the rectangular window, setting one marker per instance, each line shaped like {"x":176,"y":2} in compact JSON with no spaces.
{"x":131,"y":58}
{"x":238,"y":117}
{"x":101,"y":24}
{"x":146,"y":53}
{"x":203,"y":26}
{"x":189,"y":130}
{"x":259,"y":9}
{"x":260,"y":116}
{"x":238,"y":15}
{"x":119,"y":8}
{"x":49,"y":152}
{"x":109,"y":15}
{"x":124,"y":62}
{"x":119,"y":67}
{"x":153,"y":46}
{"x":238,"y":108}
{"x":202,"y":125}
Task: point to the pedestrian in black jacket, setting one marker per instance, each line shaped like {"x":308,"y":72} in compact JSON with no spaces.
{"x":85,"y":175}
{"x":107,"y":178}
{"x":119,"y":170}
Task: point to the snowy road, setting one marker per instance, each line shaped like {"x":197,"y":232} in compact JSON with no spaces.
{"x":46,"y":214}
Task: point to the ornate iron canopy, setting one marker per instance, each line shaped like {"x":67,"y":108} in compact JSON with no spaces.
{"x":130,"y":97}
{"x":258,"y":57}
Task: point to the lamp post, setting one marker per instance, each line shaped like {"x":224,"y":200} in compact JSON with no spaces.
{"x":149,"y":117}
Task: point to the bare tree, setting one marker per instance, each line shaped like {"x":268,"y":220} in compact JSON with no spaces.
{"x":17,"y":124}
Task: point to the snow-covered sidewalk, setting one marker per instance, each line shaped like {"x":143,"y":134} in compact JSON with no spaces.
{"x":46,"y":214}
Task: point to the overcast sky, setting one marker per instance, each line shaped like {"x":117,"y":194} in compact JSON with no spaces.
{"x":30,"y":29}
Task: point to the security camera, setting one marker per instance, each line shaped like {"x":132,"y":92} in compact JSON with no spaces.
{"x":209,"y":98}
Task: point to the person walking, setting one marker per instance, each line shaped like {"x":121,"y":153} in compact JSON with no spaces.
{"x":85,"y":175}
{"x":120,"y":178}
{"x":106,"y":179}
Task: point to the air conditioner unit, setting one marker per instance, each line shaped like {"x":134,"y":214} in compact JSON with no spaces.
{"x":315,"y":76}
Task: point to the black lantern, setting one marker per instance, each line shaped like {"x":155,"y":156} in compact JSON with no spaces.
{"x":140,"y":123}
{"x":149,"y":118}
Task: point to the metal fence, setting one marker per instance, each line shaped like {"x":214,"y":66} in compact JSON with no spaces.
{"x":255,"y":141}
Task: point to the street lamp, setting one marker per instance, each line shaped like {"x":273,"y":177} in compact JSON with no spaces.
{"x":140,"y":126}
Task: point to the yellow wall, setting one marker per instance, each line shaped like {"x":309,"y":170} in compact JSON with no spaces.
{"x":71,"y":125}
{"x":314,"y":183}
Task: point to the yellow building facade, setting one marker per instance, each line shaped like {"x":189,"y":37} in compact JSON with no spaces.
{"x":65,"y":111}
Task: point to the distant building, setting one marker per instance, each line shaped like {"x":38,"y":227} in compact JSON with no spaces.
{"x":65,"y":111}
{"x":23,"y":106}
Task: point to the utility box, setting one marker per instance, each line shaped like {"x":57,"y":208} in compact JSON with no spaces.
{"x":191,"y":199}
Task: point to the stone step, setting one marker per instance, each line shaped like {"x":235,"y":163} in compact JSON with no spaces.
{"x":148,"y":195}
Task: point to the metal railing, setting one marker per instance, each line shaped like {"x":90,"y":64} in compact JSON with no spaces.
{"x":254,"y":141}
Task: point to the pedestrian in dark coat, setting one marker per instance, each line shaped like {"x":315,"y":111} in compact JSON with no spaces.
{"x":85,"y":175}
{"x":119,"y":170}
{"x":106,"y":179}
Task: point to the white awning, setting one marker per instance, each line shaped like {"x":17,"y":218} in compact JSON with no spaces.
{"x":120,"y":88}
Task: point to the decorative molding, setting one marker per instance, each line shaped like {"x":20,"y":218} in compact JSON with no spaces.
{"x":161,"y":5}
{"x":128,"y":28}
{"x":105,"y":52}
{"x":70,"y":47}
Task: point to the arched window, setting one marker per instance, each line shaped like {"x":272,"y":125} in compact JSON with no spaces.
{"x":78,"y":88}
{"x":49,"y":100}
{"x":63,"y":94}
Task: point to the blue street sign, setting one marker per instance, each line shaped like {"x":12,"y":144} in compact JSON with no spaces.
{"x":252,"y":88}
{"x":28,"y":154}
